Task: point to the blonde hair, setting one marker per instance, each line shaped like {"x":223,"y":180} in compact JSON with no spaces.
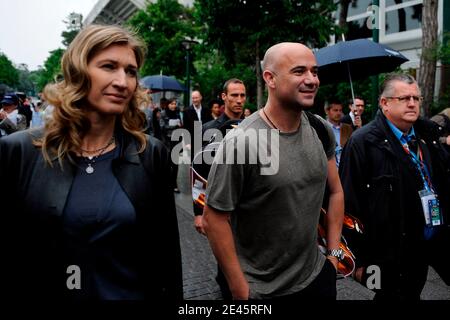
{"x":50,"y":93}
{"x":69,"y":123}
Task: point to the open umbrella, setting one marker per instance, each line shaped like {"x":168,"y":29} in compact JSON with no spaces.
{"x":162,"y":83}
{"x":356,"y":59}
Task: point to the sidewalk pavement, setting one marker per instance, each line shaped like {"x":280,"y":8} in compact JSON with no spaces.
{"x":200,"y":268}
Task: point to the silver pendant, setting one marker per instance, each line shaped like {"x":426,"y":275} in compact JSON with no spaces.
{"x":89,"y":169}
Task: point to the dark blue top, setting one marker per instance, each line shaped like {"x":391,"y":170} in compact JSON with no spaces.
{"x":100,"y":227}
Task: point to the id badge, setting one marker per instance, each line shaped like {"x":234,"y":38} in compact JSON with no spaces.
{"x":431,"y":211}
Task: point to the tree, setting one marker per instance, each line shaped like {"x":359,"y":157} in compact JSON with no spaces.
{"x":25,"y":82}
{"x":242,"y":30}
{"x":427,"y":71}
{"x":8,"y":73}
{"x":212,"y":74}
{"x":52,"y":66}
{"x":73,"y":24}
{"x":163,"y":25}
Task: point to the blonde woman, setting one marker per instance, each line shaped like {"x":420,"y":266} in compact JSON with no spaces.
{"x":85,"y":195}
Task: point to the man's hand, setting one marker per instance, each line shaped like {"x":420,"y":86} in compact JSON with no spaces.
{"x":3,"y":115}
{"x":358,"y":274}
{"x":198,"y":223}
{"x":242,"y":292}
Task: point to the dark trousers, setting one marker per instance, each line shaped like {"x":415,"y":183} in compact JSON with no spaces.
{"x":408,"y":284}
{"x":323,"y":287}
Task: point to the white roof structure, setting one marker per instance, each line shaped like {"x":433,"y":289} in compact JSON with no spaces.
{"x":118,"y":11}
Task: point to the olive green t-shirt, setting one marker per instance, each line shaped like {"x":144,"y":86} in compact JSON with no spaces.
{"x":275,"y":205}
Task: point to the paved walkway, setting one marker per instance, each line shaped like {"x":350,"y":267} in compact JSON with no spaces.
{"x":200,"y":268}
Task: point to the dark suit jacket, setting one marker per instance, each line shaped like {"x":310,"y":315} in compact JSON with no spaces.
{"x":348,"y":120}
{"x":189,"y":118}
{"x":33,"y":200}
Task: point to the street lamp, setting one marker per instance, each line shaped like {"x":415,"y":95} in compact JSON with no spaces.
{"x":188,"y":44}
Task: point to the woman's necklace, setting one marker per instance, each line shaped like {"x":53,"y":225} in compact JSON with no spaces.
{"x":91,"y":159}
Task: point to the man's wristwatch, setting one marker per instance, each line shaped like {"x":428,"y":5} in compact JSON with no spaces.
{"x":338,"y":253}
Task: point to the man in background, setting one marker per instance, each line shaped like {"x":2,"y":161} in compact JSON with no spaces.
{"x":354,"y":117}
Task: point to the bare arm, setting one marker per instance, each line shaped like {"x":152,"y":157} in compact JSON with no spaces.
{"x":335,"y":212}
{"x":217,"y":227}
{"x":198,"y":224}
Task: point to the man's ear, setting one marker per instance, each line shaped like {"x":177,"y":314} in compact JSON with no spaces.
{"x":383,"y":105}
{"x":269,"y":78}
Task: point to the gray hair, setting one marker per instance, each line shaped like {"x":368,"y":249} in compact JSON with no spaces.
{"x":387,"y":87}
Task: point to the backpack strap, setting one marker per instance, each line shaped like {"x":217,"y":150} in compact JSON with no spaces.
{"x":321,"y":131}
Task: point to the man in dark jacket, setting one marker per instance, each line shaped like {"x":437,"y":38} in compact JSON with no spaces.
{"x":195,"y":113}
{"x":355,"y":117}
{"x":234,"y":97}
{"x":396,"y":181}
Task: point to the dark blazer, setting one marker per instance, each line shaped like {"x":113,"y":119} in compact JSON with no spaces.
{"x":33,"y":264}
{"x":381,"y":186}
{"x":189,"y":117}
{"x":348,"y":120}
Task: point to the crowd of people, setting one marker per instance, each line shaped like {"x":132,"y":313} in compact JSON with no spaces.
{"x":107,"y":153}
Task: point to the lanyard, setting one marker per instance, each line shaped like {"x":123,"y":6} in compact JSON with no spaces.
{"x":418,"y":161}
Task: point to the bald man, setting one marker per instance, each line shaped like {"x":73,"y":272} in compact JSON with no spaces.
{"x":262,"y":228}
{"x":196,"y":113}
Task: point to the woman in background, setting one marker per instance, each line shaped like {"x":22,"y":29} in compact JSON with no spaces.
{"x":170,"y":121}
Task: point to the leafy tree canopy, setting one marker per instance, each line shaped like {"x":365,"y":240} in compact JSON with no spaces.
{"x":52,"y":66}
{"x":233,"y":27}
{"x":8,"y":73}
{"x":163,"y":25}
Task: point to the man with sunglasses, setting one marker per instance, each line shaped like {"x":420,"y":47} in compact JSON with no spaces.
{"x":10,"y":119}
{"x":395,"y":177}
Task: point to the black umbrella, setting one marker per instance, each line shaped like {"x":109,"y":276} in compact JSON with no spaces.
{"x":162,"y":83}
{"x":356,"y":59}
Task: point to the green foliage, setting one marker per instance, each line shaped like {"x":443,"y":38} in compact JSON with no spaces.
{"x":25,"y":80}
{"x":212,"y":74}
{"x":8,"y":73}
{"x":444,"y":49}
{"x":68,"y":36}
{"x":234,"y":27}
{"x":241,"y":31}
{"x":52,"y":67}
{"x":342,"y":92}
{"x":73,"y":25}
{"x":163,"y":25}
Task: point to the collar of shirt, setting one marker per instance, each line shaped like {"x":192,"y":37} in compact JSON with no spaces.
{"x":337,"y":127}
{"x":352,"y":116}
{"x":199,"y":112}
{"x":400,"y":135}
